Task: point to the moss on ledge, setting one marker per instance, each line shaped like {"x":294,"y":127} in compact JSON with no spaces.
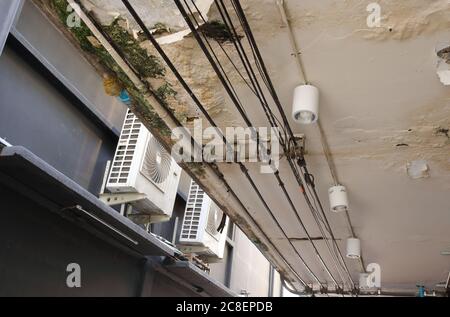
{"x":197,"y":168}
{"x":148,"y":66}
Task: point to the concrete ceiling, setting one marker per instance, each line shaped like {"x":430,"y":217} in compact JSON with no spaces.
{"x":382,"y":106}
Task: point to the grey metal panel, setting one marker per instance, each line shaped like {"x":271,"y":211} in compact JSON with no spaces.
{"x":66,"y":63}
{"x":221,"y":270}
{"x":36,"y":115}
{"x":23,"y":166}
{"x":37,"y":245}
{"x":193,"y":275}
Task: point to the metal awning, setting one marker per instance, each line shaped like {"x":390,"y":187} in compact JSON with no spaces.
{"x":199,"y":279}
{"x":28,"y":174}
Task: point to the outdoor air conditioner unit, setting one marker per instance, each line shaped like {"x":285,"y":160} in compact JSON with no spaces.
{"x":142,"y":166}
{"x":199,"y":232}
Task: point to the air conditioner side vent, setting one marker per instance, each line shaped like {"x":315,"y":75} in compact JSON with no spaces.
{"x":199,"y":234}
{"x":120,"y":169}
{"x":192,"y":216}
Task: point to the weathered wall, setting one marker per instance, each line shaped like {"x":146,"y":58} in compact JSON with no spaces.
{"x":34,"y":114}
{"x":63,"y":59}
{"x":251,"y":276}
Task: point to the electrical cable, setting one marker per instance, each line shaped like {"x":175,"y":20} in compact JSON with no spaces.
{"x":285,"y":191}
{"x":214,"y":168}
{"x":236,"y":39}
{"x":187,"y":88}
{"x":247,"y":65}
{"x":227,"y":79}
{"x":245,"y":61}
{"x":290,"y":290}
{"x":271,"y":89}
{"x":249,"y":124}
{"x":325,"y":146}
{"x":225,"y":52}
{"x":227,"y":20}
{"x":263,"y":71}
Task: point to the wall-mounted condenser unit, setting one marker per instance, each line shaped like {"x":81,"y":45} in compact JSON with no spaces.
{"x":142,"y":166}
{"x":202,"y":219}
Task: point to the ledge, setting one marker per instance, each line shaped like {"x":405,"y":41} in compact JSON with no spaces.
{"x":26,"y":173}
{"x":199,"y":279}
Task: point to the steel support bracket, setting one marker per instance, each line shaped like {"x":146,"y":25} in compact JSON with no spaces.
{"x":113,"y":199}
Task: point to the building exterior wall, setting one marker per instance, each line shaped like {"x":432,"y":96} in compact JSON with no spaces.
{"x":64,"y":61}
{"x":53,"y":122}
{"x":37,"y":245}
{"x":35,"y":115}
{"x":52,"y":102}
{"x":250,"y":269}
{"x":28,"y":270}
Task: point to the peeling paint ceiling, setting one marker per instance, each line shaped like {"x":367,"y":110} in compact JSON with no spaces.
{"x":152,"y":12}
{"x":383,"y":105}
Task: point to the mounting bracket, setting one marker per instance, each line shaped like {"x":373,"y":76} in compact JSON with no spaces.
{"x":113,"y":199}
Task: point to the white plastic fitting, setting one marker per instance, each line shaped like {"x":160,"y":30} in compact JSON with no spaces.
{"x":305,"y":108}
{"x":353,"y":248}
{"x":338,"y":198}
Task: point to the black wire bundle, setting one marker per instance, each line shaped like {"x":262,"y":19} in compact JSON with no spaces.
{"x":217,"y":66}
{"x":287,"y":140}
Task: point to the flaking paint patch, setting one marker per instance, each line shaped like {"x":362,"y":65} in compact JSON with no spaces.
{"x":404,"y":20}
{"x":151,"y":11}
{"x":400,"y":20}
{"x":425,"y":138}
{"x":418,"y":169}
{"x":201,"y":78}
{"x":443,"y":72}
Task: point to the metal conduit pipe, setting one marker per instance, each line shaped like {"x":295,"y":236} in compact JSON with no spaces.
{"x":213,"y":178}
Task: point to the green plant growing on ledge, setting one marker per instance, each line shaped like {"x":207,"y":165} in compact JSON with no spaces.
{"x":166,"y":91}
{"x":145,"y":65}
{"x":142,"y":106}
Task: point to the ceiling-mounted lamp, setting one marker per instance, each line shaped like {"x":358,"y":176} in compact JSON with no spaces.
{"x":305,"y":109}
{"x":338,"y":198}
{"x":353,"y":248}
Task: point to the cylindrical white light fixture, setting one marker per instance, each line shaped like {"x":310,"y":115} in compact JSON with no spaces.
{"x":305,"y":109}
{"x":353,"y":248}
{"x":338,"y":198}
